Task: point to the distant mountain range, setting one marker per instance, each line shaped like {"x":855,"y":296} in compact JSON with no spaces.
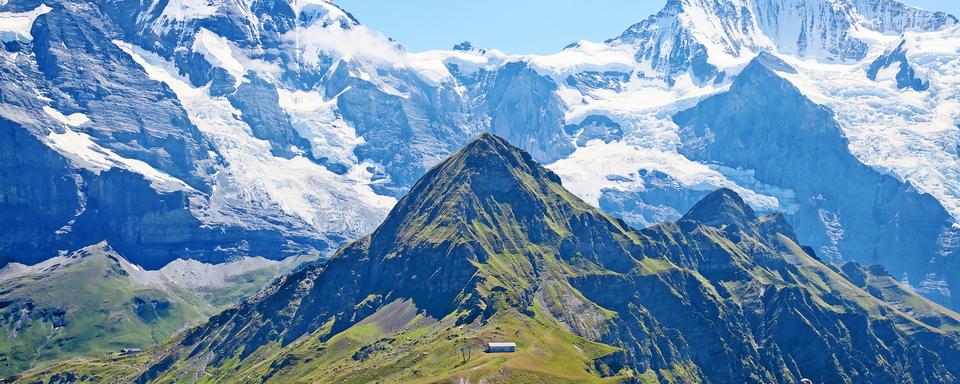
{"x":488,"y":246}
{"x":216,"y":130}
{"x":187,"y":152}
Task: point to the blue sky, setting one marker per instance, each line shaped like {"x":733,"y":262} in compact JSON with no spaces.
{"x":516,"y":26}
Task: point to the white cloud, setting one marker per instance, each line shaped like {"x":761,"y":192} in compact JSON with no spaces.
{"x":361,"y":44}
{"x":355,"y":43}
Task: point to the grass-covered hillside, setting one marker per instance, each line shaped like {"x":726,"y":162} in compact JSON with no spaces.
{"x":489,"y":246}
{"x":93,"y":301}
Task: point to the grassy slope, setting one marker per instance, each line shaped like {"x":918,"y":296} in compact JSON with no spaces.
{"x":682,"y":280}
{"x":432,"y":353}
{"x":85,"y":306}
{"x":429,"y":350}
{"x":366,"y":353}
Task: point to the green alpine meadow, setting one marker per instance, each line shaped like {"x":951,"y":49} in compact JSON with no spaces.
{"x":93,"y":301}
{"x":489,"y":247}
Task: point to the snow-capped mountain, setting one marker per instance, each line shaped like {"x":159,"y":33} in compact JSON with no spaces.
{"x":217,"y":129}
{"x":853,"y":134}
{"x":706,"y":37}
{"x":171,"y":150}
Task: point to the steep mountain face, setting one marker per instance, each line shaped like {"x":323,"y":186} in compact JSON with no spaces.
{"x":876,"y":77}
{"x":522,"y":106}
{"x":484,"y":205}
{"x":257,"y":129}
{"x":834,"y":30}
{"x":126,"y":162}
{"x":490,"y":246}
{"x":689,"y":36}
{"x":764,"y":123}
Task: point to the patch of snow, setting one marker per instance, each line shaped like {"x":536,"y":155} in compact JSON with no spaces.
{"x":16,"y":26}
{"x":467,"y":62}
{"x":948,"y":242}
{"x":365,"y":49}
{"x":932,"y":283}
{"x":179,"y":11}
{"x":311,"y":43}
{"x":74,"y":119}
{"x":80,"y":149}
{"x":586,"y":56}
{"x":219,"y":53}
{"x":321,"y":11}
{"x":834,"y":231}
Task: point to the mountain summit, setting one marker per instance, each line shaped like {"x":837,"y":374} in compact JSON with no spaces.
{"x":488,"y":246}
{"x":703,"y":37}
{"x":721,"y":208}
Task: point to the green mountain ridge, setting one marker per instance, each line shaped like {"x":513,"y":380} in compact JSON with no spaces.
{"x":86,"y":303}
{"x":489,"y":246}
{"x":93,"y":301}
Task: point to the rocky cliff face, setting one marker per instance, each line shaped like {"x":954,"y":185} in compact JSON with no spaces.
{"x":854,"y":212}
{"x":489,"y":245}
{"x":209,"y":103}
{"x":905,"y":74}
{"x":123,"y":160}
{"x":36,"y":206}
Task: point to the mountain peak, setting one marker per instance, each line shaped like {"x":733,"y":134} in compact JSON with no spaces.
{"x":469,"y":240}
{"x":488,"y":148}
{"x":772,"y":62}
{"x":722,"y":207}
{"x":491,"y":156}
{"x":467,"y":46}
{"x":491,"y":142}
{"x":705,"y":37}
{"x":485,"y":176}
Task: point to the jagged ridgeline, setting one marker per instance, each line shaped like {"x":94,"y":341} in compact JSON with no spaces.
{"x":489,"y":246}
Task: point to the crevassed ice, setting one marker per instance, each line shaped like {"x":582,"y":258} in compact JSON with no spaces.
{"x":327,"y":202}
{"x":913,"y":136}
